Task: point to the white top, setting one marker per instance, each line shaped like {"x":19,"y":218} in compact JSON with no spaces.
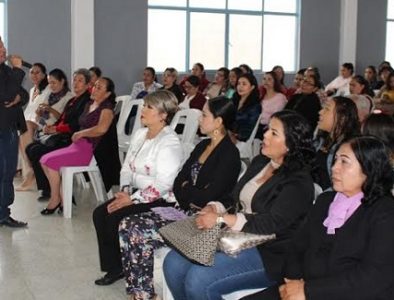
{"x":245,"y":197}
{"x":151,"y":165}
{"x":185,"y":104}
{"x":58,"y":106}
{"x":340,"y":84}
{"x":32,"y":105}
{"x":138,"y":87}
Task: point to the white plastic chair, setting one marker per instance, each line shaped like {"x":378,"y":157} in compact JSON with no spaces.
{"x":187,"y":149}
{"x":188,"y":117}
{"x":246,"y":148}
{"x":68,"y":173}
{"x":123,"y":138}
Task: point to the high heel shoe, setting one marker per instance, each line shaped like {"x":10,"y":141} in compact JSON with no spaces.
{"x":50,"y":211}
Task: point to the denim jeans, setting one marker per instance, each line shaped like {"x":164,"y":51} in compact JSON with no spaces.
{"x":187,"y":280}
{"x":8,"y":160}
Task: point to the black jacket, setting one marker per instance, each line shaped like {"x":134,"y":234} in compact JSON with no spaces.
{"x":217,"y":176}
{"x":10,"y":87}
{"x":72,"y":111}
{"x":307,"y":105}
{"x":355,"y":263}
{"x":279,"y":206}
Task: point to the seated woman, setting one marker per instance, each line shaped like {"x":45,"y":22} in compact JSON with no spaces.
{"x":247,"y":102}
{"x":233,"y":77}
{"x":387,"y":92}
{"x":219,"y":86}
{"x":275,"y":195}
{"x":209,"y":174}
{"x":60,"y":133}
{"x":272,"y":101}
{"x":197,"y":70}
{"x":296,"y":88}
{"x":344,"y":250}
{"x":193,"y":97}
{"x":150,"y":167}
{"x":50,"y":110}
{"x":280,"y":74}
{"x":170,"y":77}
{"x":362,"y":95}
{"x":307,"y":103}
{"x":340,"y":85}
{"x":147,"y":85}
{"x":95,"y":74}
{"x":371,"y":76}
{"x":94,"y":122}
{"x":338,"y":122}
{"x":38,"y":94}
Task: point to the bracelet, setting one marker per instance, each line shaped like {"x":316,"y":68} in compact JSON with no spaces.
{"x":125,"y":188}
{"x":220,"y":219}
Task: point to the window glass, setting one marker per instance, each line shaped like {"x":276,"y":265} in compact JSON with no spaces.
{"x":390,"y":42}
{"x":390,"y":9}
{"x":256,"y":5}
{"x":245,"y":41}
{"x":279,"y":43}
{"x":283,"y":6}
{"x":208,"y":3}
{"x":180,"y":3}
{"x":207,"y":33}
{"x":166,"y":39}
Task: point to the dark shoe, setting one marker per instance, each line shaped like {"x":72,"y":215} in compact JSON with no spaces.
{"x":109,"y":278}
{"x":50,"y":211}
{"x":10,"y":222}
{"x":44,"y":196}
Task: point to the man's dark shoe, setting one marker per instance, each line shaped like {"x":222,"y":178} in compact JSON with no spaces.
{"x":10,"y":222}
{"x":109,"y":278}
{"x":44,"y":197}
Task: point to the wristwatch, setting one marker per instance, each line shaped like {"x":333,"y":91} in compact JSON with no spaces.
{"x":220,"y":220}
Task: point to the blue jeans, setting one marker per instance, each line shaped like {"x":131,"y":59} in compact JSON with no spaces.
{"x":187,"y":280}
{"x":8,"y":160}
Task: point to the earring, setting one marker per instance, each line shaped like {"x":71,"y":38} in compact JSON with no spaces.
{"x":215,"y":133}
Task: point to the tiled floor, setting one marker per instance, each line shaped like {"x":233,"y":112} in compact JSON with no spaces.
{"x":54,"y":258}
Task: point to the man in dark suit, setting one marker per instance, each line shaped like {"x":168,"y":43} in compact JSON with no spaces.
{"x":12,"y":96}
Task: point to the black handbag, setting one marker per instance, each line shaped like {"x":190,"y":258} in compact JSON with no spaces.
{"x":57,"y":140}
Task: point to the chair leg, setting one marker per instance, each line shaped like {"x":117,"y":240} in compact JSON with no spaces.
{"x":67,"y":191}
{"x":96,"y":181}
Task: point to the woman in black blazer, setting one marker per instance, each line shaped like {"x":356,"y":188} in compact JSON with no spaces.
{"x":210,"y":173}
{"x":275,"y":194}
{"x":345,"y":249}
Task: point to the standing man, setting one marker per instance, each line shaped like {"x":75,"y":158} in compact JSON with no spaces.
{"x":12,"y":96}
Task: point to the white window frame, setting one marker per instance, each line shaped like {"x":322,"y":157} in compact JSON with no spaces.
{"x":388,"y":21}
{"x":227,"y":12}
{"x":4,"y":36}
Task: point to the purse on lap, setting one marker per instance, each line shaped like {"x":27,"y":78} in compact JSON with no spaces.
{"x":196,"y":244}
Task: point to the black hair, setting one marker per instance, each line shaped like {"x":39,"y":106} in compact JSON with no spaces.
{"x":110,"y":87}
{"x":44,"y":82}
{"x":298,"y":135}
{"x":317,"y":82}
{"x":346,"y":122}
{"x":201,"y":66}
{"x":366,"y":90}
{"x":385,"y":68}
{"x":381,"y":126}
{"x":59,"y":75}
{"x":301,"y":71}
{"x":96,"y":70}
{"x":151,"y":70}
{"x":281,"y":80}
{"x":254,"y":96}
{"x":374,"y":159}
{"x":222,"y":107}
{"x":193,"y":80}
{"x":248,"y":69}
{"x":349,"y":66}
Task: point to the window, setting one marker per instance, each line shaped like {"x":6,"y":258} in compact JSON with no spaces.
{"x":260,"y":33}
{"x":390,"y":31}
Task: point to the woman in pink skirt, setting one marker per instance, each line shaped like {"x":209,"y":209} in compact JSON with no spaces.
{"x":94,"y":123}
